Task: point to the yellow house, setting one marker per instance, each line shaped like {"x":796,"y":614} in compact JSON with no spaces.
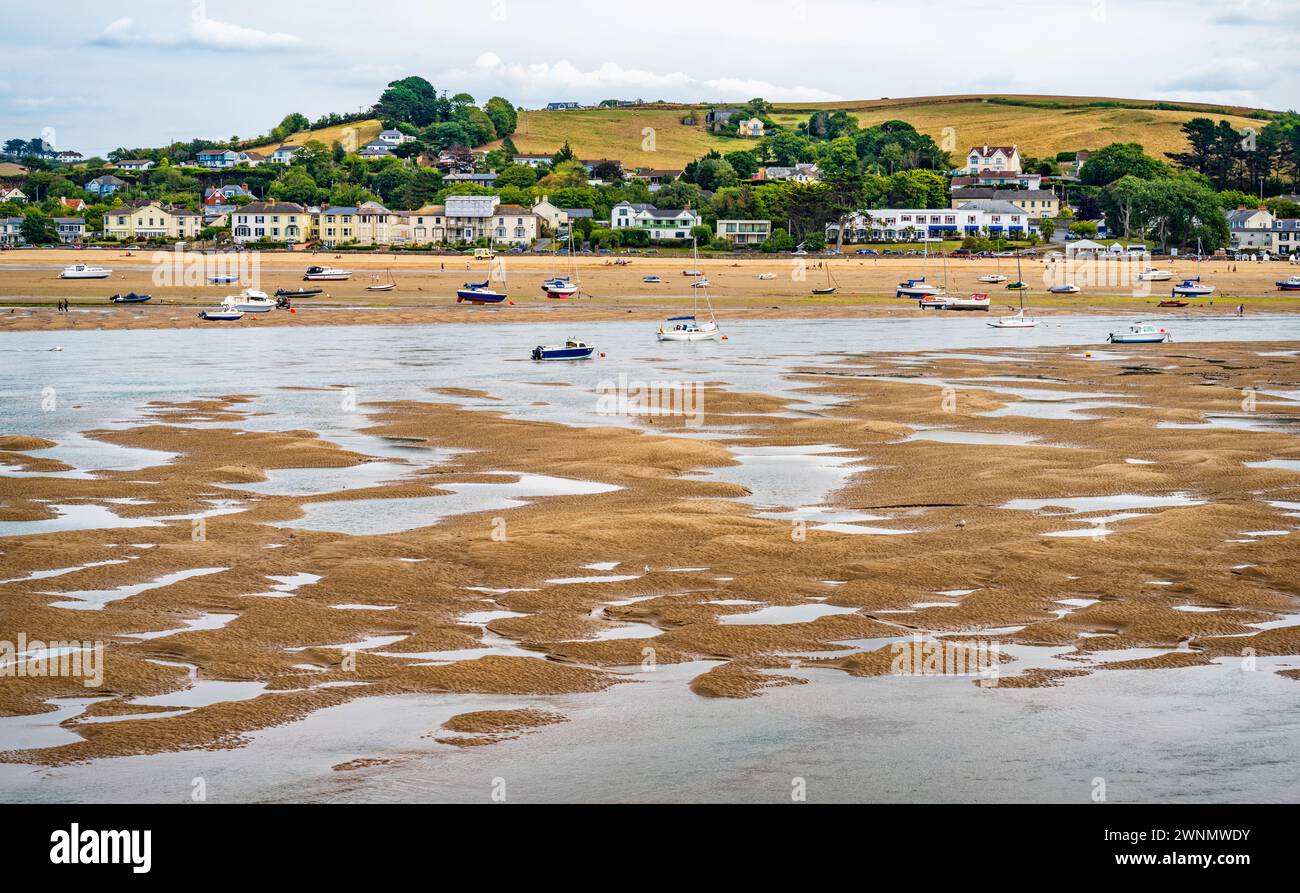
{"x":272,"y":221}
{"x":751,"y":127}
{"x":153,"y":220}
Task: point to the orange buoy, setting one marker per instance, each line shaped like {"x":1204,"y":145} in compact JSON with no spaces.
{"x":724,"y":337}
{"x":602,"y":353}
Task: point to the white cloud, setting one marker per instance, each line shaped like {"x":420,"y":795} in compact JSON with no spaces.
{"x":201,"y":33}
{"x":611,"y":79}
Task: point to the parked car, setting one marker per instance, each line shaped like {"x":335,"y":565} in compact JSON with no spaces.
{"x":962,"y":252}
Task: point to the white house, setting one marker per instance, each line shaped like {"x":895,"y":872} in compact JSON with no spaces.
{"x":377,"y":149}
{"x":217,"y":158}
{"x":803,"y":172}
{"x":1286,"y":237}
{"x":284,"y":154}
{"x":745,"y":232}
{"x":914,"y":224}
{"x":669,"y":223}
{"x":393,"y":138}
{"x":533,"y":161}
{"x":135,"y":164}
{"x":11,"y":231}
{"x":1250,"y":229}
{"x":998,"y":159}
{"x":70,"y":229}
{"x":12,"y":194}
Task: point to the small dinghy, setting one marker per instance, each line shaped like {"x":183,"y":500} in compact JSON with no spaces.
{"x":1192,"y":288}
{"x":766,"y":277}
{"x":653,"y":280}
{"x":221,"y":314}
{"x":993,"y":279}
{"x":691,"y":273}
{"x":1018,"y":285}
{"x":573,"y":349}
{"x":1140,"y":333}
{"x":1066,"y":288}
{"x":298,"y":292}
{"x":703,"y":283}
{"x":1170,"y":302}
{"x":1291,"y":283}
{"x":223,"y":280}
{"x":129,"y":298}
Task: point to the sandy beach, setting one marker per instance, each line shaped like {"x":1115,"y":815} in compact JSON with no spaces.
{"x":426,"y":287}
{"x":1134,"y":506}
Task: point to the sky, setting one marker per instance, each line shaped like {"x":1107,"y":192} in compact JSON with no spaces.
{"x":93,"y":76}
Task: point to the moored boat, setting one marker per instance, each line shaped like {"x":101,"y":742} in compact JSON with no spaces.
{"x":223,"y":280}
{"x":916,"y":288}
{"x":1291,"y":283}
{"x":479,"y":293}
{"x":1141,"y":333}
{"x":1192,"y":288}
{"x":298,"y":292}
{"x":1171,"y":302}
{"x":977,"y":301}
{"x":572,"y":349}
{"x":653,"y":280}
{"x":993,"y":278}
{"x":129,"y":298}
{"x":221,"y":314}
{"x":319,"y":274}
{"x":250,"y":300}
{"x":1155,"y":274}
{"x":1018,"y":321}
{"x":85,"y":271}
{"x":689,"y":327}
{"x":1065,"y":288}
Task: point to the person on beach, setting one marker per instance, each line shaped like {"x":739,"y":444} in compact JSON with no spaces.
{"x":1241,"y":309}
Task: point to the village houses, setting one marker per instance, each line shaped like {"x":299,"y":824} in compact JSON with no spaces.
{"x":152,"y":220}
{"x":669,"y":223}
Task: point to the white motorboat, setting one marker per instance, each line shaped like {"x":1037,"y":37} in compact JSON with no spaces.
{"x":321,"y":274}
{"x":1141,"y":333}
{"x":977,"y":301}
{"x":692,"y":328}
{"x":993,"y":278}
{"x":766,"y":277}
{"x":1155,"y":274}
{"x":85,"y":271}
{"x":1065,"y":288}
{"x":250,"y":300}
{"x":221,"y":314}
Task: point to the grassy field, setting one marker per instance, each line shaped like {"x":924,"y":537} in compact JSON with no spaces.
{"x":1038,"y":131}
{"x":361,"y":133}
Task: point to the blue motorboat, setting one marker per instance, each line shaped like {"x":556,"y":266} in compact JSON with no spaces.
{"x":479,"y":293}
{"x":224,"y":313}
{"x":130,"y":298}
{"x":651,"y":279}
{"x":573,"y":349}
{"x":1192,"y":288}
{"x":222,"y":280}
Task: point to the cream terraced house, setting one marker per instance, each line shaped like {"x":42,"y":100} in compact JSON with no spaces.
{"x":272,"y":221}
{"x":369,"y":223}
{"x":153,"y":220}
{"x":468,"y":218}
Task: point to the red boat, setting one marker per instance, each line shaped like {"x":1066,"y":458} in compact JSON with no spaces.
{"x":1168,"y":303}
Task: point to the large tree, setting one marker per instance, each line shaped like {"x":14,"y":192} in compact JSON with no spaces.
{"x":413,"y":100}
{"x":1108,"y":164}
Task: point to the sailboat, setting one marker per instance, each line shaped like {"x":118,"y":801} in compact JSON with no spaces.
{"x":386,"y":286}
{"x":1193,"y":287}
{"x":1018,"y":321}
{"x":918,"y":288}
{"x":690,"y":328}
{"x":482,"y":292}
{"x":560,"y":287}
{"x":831,"y":284}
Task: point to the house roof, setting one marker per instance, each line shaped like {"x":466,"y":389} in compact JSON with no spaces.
{"x":78,"y":220}
{"x":109,"y":180}
{"x":993,"y":207}
{"x":272,"y":208}
{"x":578,"y":212}
{"x":988,"y":151}
{"x":216,"y":152}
